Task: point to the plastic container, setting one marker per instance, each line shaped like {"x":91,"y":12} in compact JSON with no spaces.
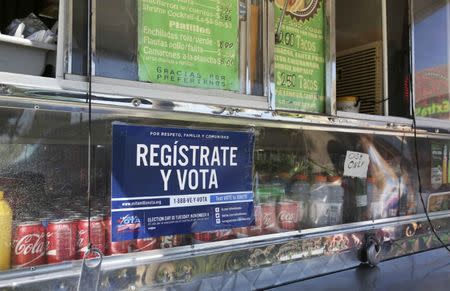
{"x":326,"y":201}
{"x":374,"y":199}
{"x":23,"y":56}
{"x":299,"y":192}
{"x":5,"y":233}
{"x":335,"y":200}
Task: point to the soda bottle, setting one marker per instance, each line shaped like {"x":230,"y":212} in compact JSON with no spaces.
{"x":299,"y":192}
{"x":5,"y":233}
{"x":318,"y":211}
{"x":375,"y":207}
{"x":361,"y":199}
{"x":335,"y":200}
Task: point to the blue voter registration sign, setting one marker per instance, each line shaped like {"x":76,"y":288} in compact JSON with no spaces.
{"x":168,"y":181}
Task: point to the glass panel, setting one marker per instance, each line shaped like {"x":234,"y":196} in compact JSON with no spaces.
{"x":398,"y":35}
{"x":299,"y":178}
{"x":431,"y":58}
{"x":43,"y":176}
{"x":195,"y":44}
{"x":114,"y":58}
{"x":79,"y":39}
{"x":359,"y":62}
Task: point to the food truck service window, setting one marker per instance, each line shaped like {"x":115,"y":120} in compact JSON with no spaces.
{"x":199,"y":44}
{"x":373,"y":52}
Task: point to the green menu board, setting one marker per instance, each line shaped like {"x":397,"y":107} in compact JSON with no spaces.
{"x":189,"y":43}
{"x":299,"y":56}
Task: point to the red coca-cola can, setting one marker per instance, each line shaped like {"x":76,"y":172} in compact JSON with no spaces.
{"x":122,"y":247}
{"x":28,"y":248}
{"x":97,"y":235}
{"x":204,"y":236}
{"x":287,"y":214}
{"x":61,"y":240}
{"x":108,"y":238}
{"x":224,"y":234}
{"x":171,"y":241}
{"x":241,"y":231}
{"x":269,"y":217}
{"x":147,"y":244}
{"x":257,"y":228}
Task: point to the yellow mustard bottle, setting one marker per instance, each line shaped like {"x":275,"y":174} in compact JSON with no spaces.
{"x":5,"y":233}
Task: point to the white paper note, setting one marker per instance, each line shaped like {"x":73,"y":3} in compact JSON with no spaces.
{"x":356,"y":164}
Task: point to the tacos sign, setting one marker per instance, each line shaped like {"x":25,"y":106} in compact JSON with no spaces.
{"x":299,"y":71}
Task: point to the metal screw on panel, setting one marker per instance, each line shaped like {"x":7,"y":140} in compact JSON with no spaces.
{"x":36,"y":107}
{"x":136,"y":102}
{"x":5,"y":89}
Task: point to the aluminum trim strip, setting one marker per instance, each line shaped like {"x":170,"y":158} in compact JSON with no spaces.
{"x":204,"y":113}
{"x":72,"y":269}
{"x":252,"y":242}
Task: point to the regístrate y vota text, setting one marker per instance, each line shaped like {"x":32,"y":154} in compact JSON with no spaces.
{"x":190,"y":156}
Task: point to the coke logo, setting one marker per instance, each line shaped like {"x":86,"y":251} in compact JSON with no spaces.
{"x":49,"y":239}
{"x":81,"y":234}
{"x":268,"y":220}
{"x":286,"y":216}
{"x":30,"y":244}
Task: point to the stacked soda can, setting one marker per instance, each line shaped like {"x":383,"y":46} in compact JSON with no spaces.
{"x":96,"y":232}
{"x":288,"y":215}
{"x":257,"y":229}
{"x":147,"y":244}
{"x":241,"y":231}
{"x":171,"y":241}
{"x":205,"y":236}
{"x":61,"y":240}
{"x":64,"y":236}
{"x":55,"y":240}
{"x":269,"y":217}
{"x":29,"y":245}
{"x":224,"y":234}
{"x":217,"y":235}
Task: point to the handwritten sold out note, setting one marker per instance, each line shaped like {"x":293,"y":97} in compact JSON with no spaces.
{"x":356,"y":164}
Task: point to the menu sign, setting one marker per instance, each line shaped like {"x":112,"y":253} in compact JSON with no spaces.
{"x":189,"y":43}
{"x":299,"y":56}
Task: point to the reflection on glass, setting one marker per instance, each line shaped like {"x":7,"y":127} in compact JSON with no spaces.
{"x":431,"y":57}
{"x":197,"y":44}
{"x":298,"y":182}
{"x":359,"y":62}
